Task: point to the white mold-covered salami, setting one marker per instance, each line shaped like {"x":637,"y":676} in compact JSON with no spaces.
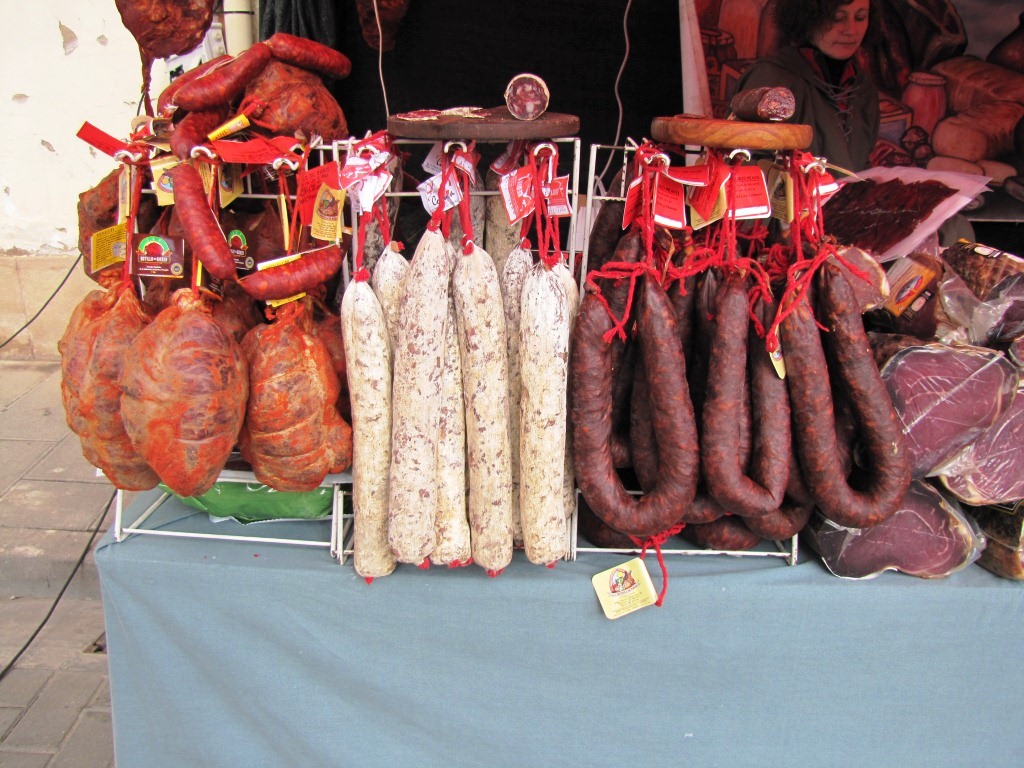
{"x":500,"y":237}
{"x":478,"y":216}
{"x":416,"y":396}
{"x":368,"y":366}
{"x":452,"y":525}
{"x":572,"y":294}
{"x":517,"y":266}
{"x":481,"y":326}
{"x":388,"y":282}
{"x":544,"y":357}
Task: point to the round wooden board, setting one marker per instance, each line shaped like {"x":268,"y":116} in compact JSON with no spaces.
{"x":495,"y":124}
{"x":730,"y":134}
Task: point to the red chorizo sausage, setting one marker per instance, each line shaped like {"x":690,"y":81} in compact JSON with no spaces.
{"x":309,"y":54}
{"x":759,"y":490}
{"x":199,"y":223}
{"x":194,"y":128}
{"x":727,"y":533}
{"x":782,"y":523}
{"x":870,"y":497}
{"x":672,"y":416}
{"x":166,"y":102}
{"x":223,"y":84}
{"x":303,"y":274}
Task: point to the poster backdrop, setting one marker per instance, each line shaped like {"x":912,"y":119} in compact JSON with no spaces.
{"x":950,"y":73}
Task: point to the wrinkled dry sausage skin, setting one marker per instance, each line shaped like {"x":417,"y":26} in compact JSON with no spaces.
{"x":166,"y":103}
{"x":198,"y":221}
{"x":867,"y":499}
{"x":726,"y":533}
{"x":309,"y":54}
{"x":224,"y":83}
{"x":624,"y":353}
{"x":782,"y":523}
{"x":643,"y":445}
{"x":286,"y":280}
{"x":193,"y":130}
{"x":760,"y":490}
{"x":671,"y":414}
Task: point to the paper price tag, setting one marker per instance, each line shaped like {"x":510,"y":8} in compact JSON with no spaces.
{"x":372,"y":188}
{"x":669,"y":202}
{"x":633,"y":202}
{"x":162,"y":184}
{"x":517,"y":194}
{"x":704,"y":200}
{"x":231,"y":186}
{"x":691,"y":175}
{"x":257,"y":151}
{"x":697,"y":221}
{"x":556,"y":196}
{"x":432,"y":162}
{"x":109,"y":246}
{"x":624,"y":588}
{"x":507,"y":160}
{"x":101,"y":140}
{"x":750,"y":193}
{"x":124,"y":192}
{"x":780,"y":194}
{"x":429,"y":194}
{"x":238,"y":244}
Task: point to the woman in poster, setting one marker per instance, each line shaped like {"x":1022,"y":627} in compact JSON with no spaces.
{"x":816,"y":61}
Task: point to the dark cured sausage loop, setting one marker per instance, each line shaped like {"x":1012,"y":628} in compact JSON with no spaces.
{"x":865,"y":500}
{"x":309,"y":54}
{"x":223,"y":84}
{"x":760,"y":491}
{"x":166,"y":103}
{"x":782,"y":523}
{"x":725,"y":533}
{"x":293,"y":277}
{"x":194,"y":129}
{"x":200,"y":224}
{"x":672,"y":415}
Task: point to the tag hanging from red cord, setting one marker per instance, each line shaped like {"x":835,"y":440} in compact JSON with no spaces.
{"x":134,"y":201}
{"x":656,"y":541}
{"x":546,"y":225}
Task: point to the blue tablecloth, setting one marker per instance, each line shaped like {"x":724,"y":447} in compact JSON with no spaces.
{"x":228,"y":653}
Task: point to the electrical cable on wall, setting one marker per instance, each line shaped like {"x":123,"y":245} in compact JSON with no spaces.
{"x":380,"y":57}
{"x":67,"y":582}
{"x":45,"y":304}
{"x":618,"y":79}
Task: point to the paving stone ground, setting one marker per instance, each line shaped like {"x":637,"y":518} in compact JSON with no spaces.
{"x":55,"y":700}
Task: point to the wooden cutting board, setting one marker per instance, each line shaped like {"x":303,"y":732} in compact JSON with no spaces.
{"x":494,"y":124}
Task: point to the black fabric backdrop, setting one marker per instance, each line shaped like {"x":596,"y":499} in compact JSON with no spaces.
{"x":460,"y":53}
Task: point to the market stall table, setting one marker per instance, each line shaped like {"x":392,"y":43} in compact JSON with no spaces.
{"x":226,"y":653}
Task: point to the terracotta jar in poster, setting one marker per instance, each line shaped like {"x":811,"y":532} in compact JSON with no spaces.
{"x":925,"y":95}
{"x":767,"y":31}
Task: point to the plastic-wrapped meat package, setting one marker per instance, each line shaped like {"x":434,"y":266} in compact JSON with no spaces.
{"x":929,"y":536}
{"x":997,"y":279}
{"x":945,"y":396}
{"x":1004,"y":531}
{"x":991,"y":469}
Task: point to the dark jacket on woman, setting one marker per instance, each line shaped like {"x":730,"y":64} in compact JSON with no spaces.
{"x":844,"y":116}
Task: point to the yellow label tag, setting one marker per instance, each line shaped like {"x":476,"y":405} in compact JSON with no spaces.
{"x":278,"y":261}
{"x":328,"y":216}
{"x":162,"y":184}
{"x":779,"y":361}
{"x":780,"y":193}
{"x":279,"y":302}
{"x":206,"y":174}
{"x":234,"y":125}
{"x":231,"y":185}
{"x":625,"y":588}
{"x":109,"y":246}
{"x":718,"y":212}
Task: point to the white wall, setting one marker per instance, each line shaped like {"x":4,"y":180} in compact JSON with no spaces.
{"x":62,"y":62}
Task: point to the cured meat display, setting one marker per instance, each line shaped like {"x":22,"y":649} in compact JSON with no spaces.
{"x":92,"y":352}
{"x":876,"y":215}
{"x":291,"y":101}
{"x":945,"y":396}
{"x":1004,"y":532}
{"x":184,"y":383}
{"x":991,"y":469}
{"x":928,"y":536}
{"x":293,"y":435}
{"x":997,"y":279}
{"x":97,"y":209}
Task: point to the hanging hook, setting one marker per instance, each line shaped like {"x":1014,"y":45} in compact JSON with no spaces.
{"x":459,"y":144}
{"x":818,"y":165}
{"x":659,"y":158}
{"x":739,"y":153}
{"x":124,"y":156}
{"x":201,"y":150}
{"x":293,"y":165}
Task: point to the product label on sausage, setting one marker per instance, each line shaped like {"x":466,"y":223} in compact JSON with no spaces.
{"x":624,"y":588}
{"x":238,"y":244}
{"x":780,"y":194}
{"x":157,"y":256}
{"x":556,"y":197}
{"x":234,"y":125}
{"x":311,"y":183}
{"x":634,"y":201}
{"x":124,"y":192}
{"x":430,"y":194}
{"x":704,"y":200}
{"x":162,"y":184}
{"x":108,"y":246}
{"x":669,"y":202}
{"x":698,"y":221}
{"x":750,"y":194}
{"x":517,"y":194}
{"x":327,"y":214}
